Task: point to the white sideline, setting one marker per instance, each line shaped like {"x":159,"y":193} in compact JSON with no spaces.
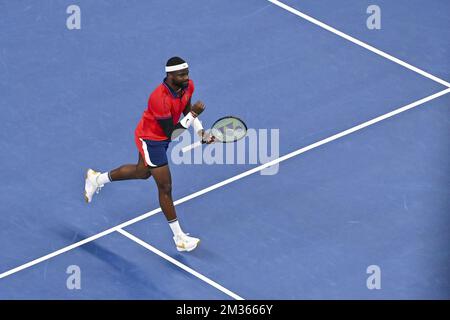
{"x":179,"y":264}
{"x":358,"y":42}
{"x":227,"y":181}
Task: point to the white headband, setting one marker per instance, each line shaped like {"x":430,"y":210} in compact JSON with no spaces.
{"x":177,"y":67}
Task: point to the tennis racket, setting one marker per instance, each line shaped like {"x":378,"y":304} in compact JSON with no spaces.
{"x":227,"y":129}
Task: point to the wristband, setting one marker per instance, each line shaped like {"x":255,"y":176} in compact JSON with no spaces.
{"x":197,"y":125}
{"x":187,"y":120}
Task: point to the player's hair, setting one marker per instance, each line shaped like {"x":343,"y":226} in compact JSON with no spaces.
{"x":174,"y":61}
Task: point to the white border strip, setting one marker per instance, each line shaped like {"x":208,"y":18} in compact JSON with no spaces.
{"x":179,"y":264}
{"x":225,"y":182}
{"x":147,"y":155}
{"x":358,"y":42}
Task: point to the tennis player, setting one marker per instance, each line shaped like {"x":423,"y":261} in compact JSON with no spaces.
{"x":160,"y":124}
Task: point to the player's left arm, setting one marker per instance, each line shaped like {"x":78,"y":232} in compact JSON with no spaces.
{"x":188,"y":108}
{"x":198,"y":128}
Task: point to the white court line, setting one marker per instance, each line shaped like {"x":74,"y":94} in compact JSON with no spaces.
{"x":358,"y":42}
{"x":179,"y":264}
{"x":227,"y":181}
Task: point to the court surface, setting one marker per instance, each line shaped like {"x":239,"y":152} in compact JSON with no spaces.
{"x":342,"y":200}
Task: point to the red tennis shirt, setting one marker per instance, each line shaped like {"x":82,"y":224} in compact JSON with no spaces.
{"x":163,"y":103}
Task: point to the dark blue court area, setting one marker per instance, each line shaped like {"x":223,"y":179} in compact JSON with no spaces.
{"x":374,"y":199}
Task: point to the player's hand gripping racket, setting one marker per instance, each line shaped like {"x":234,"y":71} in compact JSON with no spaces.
{"x":225,"y":130}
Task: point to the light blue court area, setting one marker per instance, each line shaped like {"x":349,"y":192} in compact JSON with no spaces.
{"x":111,"y":268}
{"x":378,"y":197}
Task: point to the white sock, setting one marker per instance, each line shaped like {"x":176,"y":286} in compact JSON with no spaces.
{"x":176,"y":229}
{"x":103,"y":178}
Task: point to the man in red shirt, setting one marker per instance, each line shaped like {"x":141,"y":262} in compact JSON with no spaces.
{"x":158,"y":126}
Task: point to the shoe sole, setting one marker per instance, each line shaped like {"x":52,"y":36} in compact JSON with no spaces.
{"x":188,"y":250}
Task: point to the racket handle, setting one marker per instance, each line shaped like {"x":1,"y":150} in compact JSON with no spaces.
{"x":192,"y":146}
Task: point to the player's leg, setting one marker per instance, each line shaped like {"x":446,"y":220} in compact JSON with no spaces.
{"x":96,"y":180}
{"x":131,"y":171}
{"x":163,"y":180}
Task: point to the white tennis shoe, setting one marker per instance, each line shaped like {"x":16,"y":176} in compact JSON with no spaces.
{"x":186,"y":243}
{"x":91,"y":186}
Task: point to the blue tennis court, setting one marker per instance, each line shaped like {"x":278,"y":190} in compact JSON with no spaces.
{"x":343,"y":194}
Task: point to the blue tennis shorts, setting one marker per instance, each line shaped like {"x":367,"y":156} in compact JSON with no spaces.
{"x":153,"y":152}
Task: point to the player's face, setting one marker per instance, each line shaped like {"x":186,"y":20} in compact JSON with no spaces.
{"x":181,"y":78}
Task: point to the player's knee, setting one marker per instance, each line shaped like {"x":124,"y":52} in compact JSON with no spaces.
{"x":165,"y":188}
{"x":146,"y":175}
{"x":143,"y":174}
